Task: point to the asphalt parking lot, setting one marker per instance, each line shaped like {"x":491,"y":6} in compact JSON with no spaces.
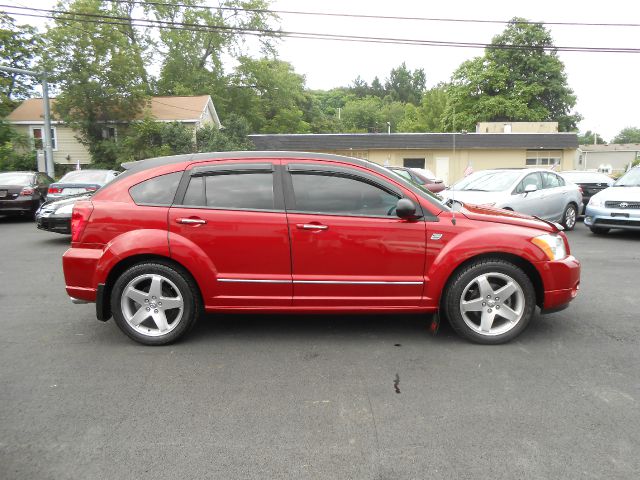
{"x":317,"y":397}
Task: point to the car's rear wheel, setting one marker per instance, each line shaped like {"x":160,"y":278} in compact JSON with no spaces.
{"x":599,"y":230}
{"x":155,"y":303}
{"x":569,"y":217}
{"x":489,"y":301}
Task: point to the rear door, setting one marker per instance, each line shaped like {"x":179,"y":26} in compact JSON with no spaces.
{"x":235,"y":213}
{"x":348,"y":247}
{"x":557,"y":195}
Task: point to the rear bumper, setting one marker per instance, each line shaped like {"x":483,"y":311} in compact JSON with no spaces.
{"x":17,"y":206}
{"x":79,"y":265}
{"x":561,"y":281}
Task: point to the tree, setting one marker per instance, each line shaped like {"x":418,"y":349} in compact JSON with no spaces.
{"x":371,"y":114}
{"x":234,"y":136}
{"x":406,"y":86}
{"x":588,"y":137}
{"x":519,"y":78}
{"x":100,"y":70}
{"x":270,"y":95}
{"x":427,"y":117}
{"x":627,"y":135}
{"x":149,"y":138}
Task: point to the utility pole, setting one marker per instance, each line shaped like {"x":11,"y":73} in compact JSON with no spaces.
{"x":48,"y":149}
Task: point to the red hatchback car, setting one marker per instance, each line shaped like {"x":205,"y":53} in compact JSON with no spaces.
{"x":296,"y":232}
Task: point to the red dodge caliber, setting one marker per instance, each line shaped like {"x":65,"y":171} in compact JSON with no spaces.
{"x":298,"y":232}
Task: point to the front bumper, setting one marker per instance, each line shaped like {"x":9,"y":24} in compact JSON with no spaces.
{"x":603,"y":217}
{"x":57,"y":224}
{"x":561,"y":281}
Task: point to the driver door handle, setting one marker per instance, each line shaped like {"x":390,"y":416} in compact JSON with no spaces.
{"x":311,"y":226}
{"x":191,"y":221}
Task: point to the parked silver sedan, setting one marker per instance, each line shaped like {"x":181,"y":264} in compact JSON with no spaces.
{"x":532,"y":191}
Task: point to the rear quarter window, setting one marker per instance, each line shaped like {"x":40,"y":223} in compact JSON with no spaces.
{"x":159,"y":190}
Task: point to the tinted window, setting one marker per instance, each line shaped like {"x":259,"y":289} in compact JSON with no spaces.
{"x":233,"y":191}
{"x":157,"y":190}
{"x":403,"y":173}
{"x":341,"y":196}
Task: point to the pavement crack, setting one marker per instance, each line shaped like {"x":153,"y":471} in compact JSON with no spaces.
{"x":396,"y":383}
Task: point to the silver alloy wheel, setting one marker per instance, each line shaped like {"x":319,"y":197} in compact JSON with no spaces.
{"x":570,"y":217}
{"x":152,"y":305}
{"x":492,"y":304}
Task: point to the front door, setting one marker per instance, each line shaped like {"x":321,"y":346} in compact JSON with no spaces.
{"x":235,"y":214}
{"x":348,"y":247}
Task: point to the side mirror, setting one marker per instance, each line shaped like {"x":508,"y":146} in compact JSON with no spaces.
{"x":530,"y":188}
{"x":406,"y":209}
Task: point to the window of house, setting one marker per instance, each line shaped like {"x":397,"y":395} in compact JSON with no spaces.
{"x":413,"y":162}
{"x":109,"y":133}
{"x":337,"y":195}
{"x":543,"y":158}
{"x":37,"y":134}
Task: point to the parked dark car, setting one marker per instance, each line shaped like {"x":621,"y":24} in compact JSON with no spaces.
{"x":55,"y":215}
{"x":80,"y":181}
{"x":287,"y":232}
{"x":22,"y":193}
{"x":590,"y":183}
{"x":419,"y":177}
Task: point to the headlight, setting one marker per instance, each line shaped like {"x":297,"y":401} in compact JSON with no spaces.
{"x":551,"y":245}
{"x":596,"y":202}
{"x":64,"y":210}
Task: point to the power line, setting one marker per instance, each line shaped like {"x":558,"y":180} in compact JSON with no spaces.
{"x":378,"y":17}
{"x":194,"y":27}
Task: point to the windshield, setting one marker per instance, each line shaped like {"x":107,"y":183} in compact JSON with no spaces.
{"x":629,"y":179}
{"x":15,"y":178}
{"x":488,"y":181}
{"x":86,"y":176}
{"x":587,"y":177}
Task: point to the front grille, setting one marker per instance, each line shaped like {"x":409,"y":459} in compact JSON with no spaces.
{"x":618,"y":204}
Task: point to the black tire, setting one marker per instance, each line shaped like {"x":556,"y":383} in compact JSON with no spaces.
{"x":570,"y":217}
{"x":177,"y":281}
{"x":599,"y":230}
{"x":525,"y":301}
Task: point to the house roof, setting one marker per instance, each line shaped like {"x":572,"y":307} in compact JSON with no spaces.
{"x":181,"y":109}
{"x":429,"y":141}
{"x":611,"y":147}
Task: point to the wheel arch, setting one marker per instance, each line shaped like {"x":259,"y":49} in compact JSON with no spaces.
{"x":121,"y":266}
{"x":528,"y":268}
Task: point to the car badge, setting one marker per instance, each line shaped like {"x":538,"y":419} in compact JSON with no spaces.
{"x":624,"y":205}
{"x":436,"y":236}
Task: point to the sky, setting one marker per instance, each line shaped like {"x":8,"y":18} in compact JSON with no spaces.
{"x":606,"y":84}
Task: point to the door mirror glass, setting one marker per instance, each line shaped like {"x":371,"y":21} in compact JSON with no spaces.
{"x":406,"y":209}
{"x":530,"y":188}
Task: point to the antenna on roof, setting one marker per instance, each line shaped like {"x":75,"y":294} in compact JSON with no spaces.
{"x":453,"y":191}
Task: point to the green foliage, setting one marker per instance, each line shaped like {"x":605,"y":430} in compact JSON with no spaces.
{"x":232,"y":137}
{"x":427,"y":117}
{"x":270,"y":95}
{"x":19,"y":47}
{"x":100,"y":70}
{"x":588,"y":137}
{"x":406,"y":86}
{"x":371,"y":114}
{"x":15,"y":151}
{"x":148,"y":138}
{"x":527,"y":83}
{"x":627,"y":135}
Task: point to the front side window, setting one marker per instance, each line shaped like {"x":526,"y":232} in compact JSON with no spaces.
{"x":232,"y":191}
{"x":340,"y":195}
{"x":531,"y":179}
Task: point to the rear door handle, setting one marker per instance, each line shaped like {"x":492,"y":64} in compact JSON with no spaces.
{"x":311,"y":226}
{"x":191,"y":221}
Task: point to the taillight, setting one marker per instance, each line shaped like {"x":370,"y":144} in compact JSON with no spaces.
{"x":79,"y":219}
{"x":54,"y":190}
{"x":581,"y":191}
{"x":27,"y":191}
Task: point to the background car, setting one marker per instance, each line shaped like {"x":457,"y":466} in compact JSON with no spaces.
{"x":80,"y":181}
{"x":55,"y":215}
{"x":420,"y":176}
{"x":22,"y":192}
{"x":532,"y":191}
{"x":590,"y":182}
{"x":617,"y":206}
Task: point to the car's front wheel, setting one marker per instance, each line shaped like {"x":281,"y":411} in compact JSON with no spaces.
{"x":489,"y":301}
{"x":155,"y":303}
{"x":569,"y":217}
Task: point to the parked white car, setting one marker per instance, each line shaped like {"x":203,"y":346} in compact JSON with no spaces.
{"x":532,"y":191}
{"x":617,"y":206}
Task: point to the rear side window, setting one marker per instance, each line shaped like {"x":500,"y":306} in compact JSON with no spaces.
{"x":157,"y":191}
{"x":232,"y":191}
{"x":551,"y":180}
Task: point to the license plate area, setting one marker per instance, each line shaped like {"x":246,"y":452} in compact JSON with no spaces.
{"x":623,"y":215}
{"x":3,"y":194}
